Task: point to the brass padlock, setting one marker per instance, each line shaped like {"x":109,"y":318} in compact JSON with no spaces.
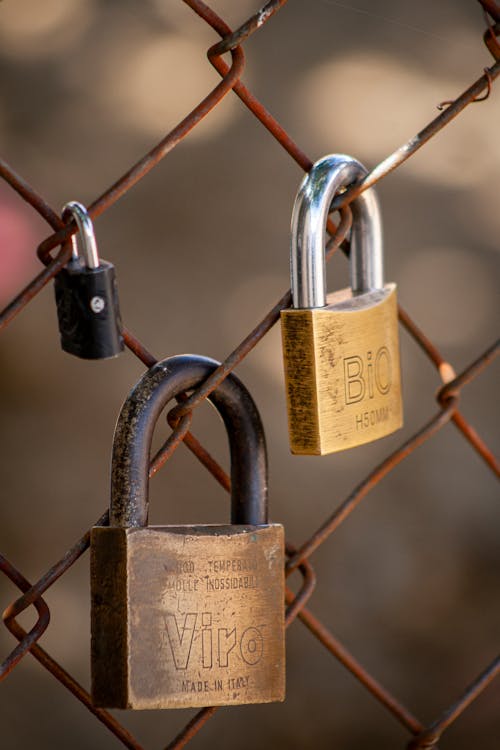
{"x":341,"y":351}
{"x":186,"y":616}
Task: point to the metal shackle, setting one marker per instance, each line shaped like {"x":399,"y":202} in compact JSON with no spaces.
{"x":83,"y":221}
{"x":134,"y":433}
{"x":310,"y":213}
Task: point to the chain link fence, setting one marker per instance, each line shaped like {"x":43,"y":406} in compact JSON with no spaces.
{"x":228,"y":58}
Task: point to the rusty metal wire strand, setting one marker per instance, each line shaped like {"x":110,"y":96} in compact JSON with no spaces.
{"x":180,"y":417}
{"x":192,"y":728}
{"x":34,"y":287}
{"x":352,"y":501}
{"x":254,"y":23}
{"x":447,"y":374}
{"x":333,"y":645}
{"x":64,"y":677}
{"x":253,"y":338}
{"x":431,"y":735}
{"x":36,"y":631}
{"x":151,"y":159}
{"x":296,"y":603}
{"x":398,"y":157}
{"x":29,"y":194}
{"x":491,"y":7}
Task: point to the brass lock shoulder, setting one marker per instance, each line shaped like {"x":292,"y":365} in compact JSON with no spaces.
{"x":341,"y":350}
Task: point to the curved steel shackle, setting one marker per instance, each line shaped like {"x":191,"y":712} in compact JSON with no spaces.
{"x":134,"y":433}
{"x":310,"y":213}
{"x":86,"y":229}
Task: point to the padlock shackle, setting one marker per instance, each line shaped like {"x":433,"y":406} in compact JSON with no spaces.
{"x":134,"y":433}
{"x":310,"y":213}
{"x":79,"y":213}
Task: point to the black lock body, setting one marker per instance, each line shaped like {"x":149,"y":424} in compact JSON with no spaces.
{"x":88,"y":310}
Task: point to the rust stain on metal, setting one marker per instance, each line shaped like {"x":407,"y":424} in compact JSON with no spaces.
{"x":181,"y":416}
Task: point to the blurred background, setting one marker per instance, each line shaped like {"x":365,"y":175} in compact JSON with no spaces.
{"x":409,"y":583}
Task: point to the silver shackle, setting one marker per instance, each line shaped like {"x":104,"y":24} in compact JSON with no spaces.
{"x":86,"y":230}
{"x":310,"y":213}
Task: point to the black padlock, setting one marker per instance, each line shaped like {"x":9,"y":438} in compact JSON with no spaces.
{"x":86,"y":296}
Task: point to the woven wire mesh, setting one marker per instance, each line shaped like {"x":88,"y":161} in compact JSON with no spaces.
{"x":435,"y":404}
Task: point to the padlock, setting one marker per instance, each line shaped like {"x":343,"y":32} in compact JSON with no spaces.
{"x":341,"y":351}
{"x":86,"y":297}
{"x":187,"y":616}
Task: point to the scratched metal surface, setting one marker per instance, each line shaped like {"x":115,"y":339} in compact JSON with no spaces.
{"x":402,"y":603}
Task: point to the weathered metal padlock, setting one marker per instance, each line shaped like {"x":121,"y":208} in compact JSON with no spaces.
{"x":187,"y":616}
{"x":86,"y":297}
{"x":341,"y":352}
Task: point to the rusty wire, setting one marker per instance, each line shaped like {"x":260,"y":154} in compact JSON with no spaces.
{"x":492,"y":8}
{"x":180,"y":417}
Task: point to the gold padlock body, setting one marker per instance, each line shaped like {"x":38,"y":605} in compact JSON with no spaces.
{"x":187,"y":616}
{"x":342,"y":371}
